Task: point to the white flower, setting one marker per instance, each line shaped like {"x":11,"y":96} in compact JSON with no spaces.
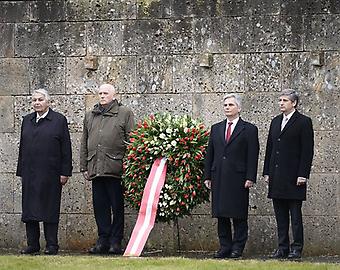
{"x":162,"y":136}
{"x":168,"y":130}
{"x":174,"y":143}
{"x":186,"y":130}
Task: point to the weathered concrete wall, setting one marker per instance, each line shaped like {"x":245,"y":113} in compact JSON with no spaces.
{"x":152,"y":50}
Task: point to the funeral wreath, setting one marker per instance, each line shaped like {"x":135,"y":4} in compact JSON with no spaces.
{"x":183,"y":141}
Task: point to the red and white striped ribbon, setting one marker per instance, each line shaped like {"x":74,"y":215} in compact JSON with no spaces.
{"x":147,"y":212}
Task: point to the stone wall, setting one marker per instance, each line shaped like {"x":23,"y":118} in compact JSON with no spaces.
{"x":156,"y":52}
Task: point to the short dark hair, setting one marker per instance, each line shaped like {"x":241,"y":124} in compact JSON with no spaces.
{"x":291,"y":94}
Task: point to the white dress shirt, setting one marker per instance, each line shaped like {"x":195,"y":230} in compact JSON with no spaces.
{"x":41,"y":117}
{"x":285,"y":119}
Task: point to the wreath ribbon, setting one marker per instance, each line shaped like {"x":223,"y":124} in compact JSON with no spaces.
{"x":148,"y":209}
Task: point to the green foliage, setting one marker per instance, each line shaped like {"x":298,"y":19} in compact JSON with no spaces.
{"x":182,"y":140}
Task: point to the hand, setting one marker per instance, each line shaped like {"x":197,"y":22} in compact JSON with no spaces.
{"x":86,"y":175}
{"x":301,"y":181}
{"x":207,"y":183}
{"x":63,"y":179}
{"x":248,"y":184}
{"x":266,"y":178}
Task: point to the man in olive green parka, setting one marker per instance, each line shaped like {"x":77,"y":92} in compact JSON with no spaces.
{"x":105,"y":136}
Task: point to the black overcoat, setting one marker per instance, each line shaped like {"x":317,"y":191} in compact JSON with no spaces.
{"x":44,"y":155}
{"x":289,"y":154}
{"x":229,"y":165}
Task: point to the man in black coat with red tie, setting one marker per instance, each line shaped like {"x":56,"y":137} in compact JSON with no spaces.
{"x":230,"y":170}
{"x":287,"y":166}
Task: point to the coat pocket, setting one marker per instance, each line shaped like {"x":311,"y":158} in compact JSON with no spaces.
{"x":54,"y":164}
{"x":113,"y":164}
{"x":91,"y":163}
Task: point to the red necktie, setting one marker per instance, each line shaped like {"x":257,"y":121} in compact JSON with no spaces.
{"x":228,"y":131}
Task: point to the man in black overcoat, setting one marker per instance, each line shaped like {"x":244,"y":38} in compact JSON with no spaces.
{"x":230,"y":170}
{"x":287,"y":166}
{"x":44,"y":165}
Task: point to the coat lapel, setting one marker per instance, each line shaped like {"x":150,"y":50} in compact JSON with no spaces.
{"x":290,"y":122}
{"x":221,"y":131}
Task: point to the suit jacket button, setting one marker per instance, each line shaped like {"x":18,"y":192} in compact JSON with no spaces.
{"x":277,"y":152}
{"x":278,"y":139}
{"x":276,"y":166}
{"x":224,"y":157}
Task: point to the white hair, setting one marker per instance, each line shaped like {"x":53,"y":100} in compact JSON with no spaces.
{"x":43,"y":92}
{"x":109,"y":87}
{"x":237,"y":98}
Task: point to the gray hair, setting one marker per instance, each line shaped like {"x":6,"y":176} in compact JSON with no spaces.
{"x":237,"y":98}
{"x":108,"y":86}
{"x":291,"y":94}
{"x":43,"y":92}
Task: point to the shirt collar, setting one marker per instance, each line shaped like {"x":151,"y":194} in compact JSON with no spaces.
{"x":234,"y":121}
{"x":43,"y":116}
{"x":288,"y":116}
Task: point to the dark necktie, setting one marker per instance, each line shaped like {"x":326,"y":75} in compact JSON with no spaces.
{"x":227,"y":137}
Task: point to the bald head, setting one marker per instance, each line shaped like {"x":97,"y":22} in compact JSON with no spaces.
{"x":106,"y":93}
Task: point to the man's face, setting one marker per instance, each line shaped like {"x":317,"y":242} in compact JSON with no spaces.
{"x":106,"y":95}
{"x":286,"y":105}
{"x":231,"y":109}
{"x":40,"y":103}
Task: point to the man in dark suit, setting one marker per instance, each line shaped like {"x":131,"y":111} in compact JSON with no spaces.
{"x":230,"y":170}
{"x":44,"y":165}
{"x":287,"y":166}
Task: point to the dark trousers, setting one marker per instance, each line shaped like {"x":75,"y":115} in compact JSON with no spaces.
{"x":238,"y":241}
{"x":33,"y":234}
{"x":108,"y":205}
{"x":284,"y":208}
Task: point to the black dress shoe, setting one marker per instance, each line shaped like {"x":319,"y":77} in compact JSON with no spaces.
{"x":30,"y":251}
{"x":235,"y":254}
{"x":116,"y":249}
{"x":279,"y":254}
{"x":51,"y":251}
{"x":99,"y":249}
{"x":294,"y":254}
{"x":222,"y":254}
